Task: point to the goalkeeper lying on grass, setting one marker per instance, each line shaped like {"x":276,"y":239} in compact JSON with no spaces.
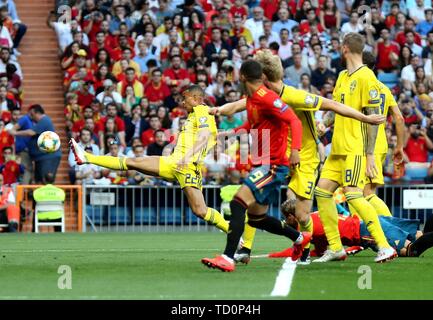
{"x":402,"y":234}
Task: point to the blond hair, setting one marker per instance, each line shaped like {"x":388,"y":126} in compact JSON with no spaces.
{"x":355,"y":42}
{"x":271,"y":63}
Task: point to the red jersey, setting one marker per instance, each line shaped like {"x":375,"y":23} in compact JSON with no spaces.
{"x":349,"y":232}
{"x":384,"y":61}
{"x":120,"y":124}
{"x":11,"y":171}
{"x":416,"y":150}
{"x":156,"y":93}
{"x":268,"y":122}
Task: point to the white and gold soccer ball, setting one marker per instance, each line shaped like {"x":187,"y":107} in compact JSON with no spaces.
{"x":49,"y":142}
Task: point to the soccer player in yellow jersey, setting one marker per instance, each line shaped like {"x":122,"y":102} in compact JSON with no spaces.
{"x":387,"y":103}
{"x":197,"y":136}
{"x":352,"y":154}
{"x":303,"y":178}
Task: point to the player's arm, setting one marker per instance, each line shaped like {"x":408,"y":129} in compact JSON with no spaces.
{"x":22,"y":133}
{"x":400,"y":131}
{"x":370,"y":100}
{"x":203,"y":134}
{"x":346,"y":111}
{"x":229,"y":108}
{"x":305,"y":101}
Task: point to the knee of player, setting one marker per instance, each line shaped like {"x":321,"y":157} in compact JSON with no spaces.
{"x":199,"y":209}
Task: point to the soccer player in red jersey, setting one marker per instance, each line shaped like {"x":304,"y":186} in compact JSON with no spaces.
{"x":268,"y":123}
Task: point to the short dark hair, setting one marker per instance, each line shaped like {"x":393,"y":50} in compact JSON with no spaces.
{"x":156,"y":70}
{"x":7,"y":148}
{"x":37,"y":108}
{"x":129,"y":69}
{"x":85,"y":129}
{"x":252,"y":70}
{"x":194,"y":88}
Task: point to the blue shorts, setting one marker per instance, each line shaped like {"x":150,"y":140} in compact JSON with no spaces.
{"x":265,"y":182}
{"x":396,"y":230}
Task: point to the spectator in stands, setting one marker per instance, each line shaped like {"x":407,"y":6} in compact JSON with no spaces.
{"x":156,"y":148}
{"x":294,"y":72}
{"x":213,"y":49}
{"x":109,"y":95}
{"x":20,"y":28}
{"x":387,"y":52}
{"x":306,"y":85}
{"x":9,"y":212}
{"x":353,"y":24}
{"x":5,"y":59}
{"x":217,"y":165}
{"x":408,"y":73}
{"x":11,"y":168}
{"x":117,"y":126}
{"x":87,"y":173}
{"x":283,"y":21}
{"x":148,"y":136}
{"x":417,"y":13}
{"x":116,"y":177}
{"x":410,"y":112}
{"x":130,"y":80}
{"x":135,"y":124}
{"x":319,"y":75}
{"x":126,"y":55}
{"x":256,"y":23}
{"x":120,"y":17}
{"x":410,"y":42}
{"x":330,"y":16}
{"x":425,"y":25}
{"x":175,"y":74}
{"x":44,"y":162}
{"x":157,"y":90}
{"x":409,"y":25}
{"x":417,"y":146}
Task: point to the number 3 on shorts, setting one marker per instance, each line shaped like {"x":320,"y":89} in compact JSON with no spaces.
{"x":256,"y":176}
{"x":348,"y":175}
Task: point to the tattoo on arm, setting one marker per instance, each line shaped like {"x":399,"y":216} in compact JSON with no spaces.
{"x":372,"y":131}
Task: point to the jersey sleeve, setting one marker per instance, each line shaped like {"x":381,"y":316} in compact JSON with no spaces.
{"x":203,"y":118}
{"x":300,"y":99}
{"x":370,"y":94}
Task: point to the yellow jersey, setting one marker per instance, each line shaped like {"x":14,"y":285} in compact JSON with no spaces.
{"x":358,"y":90}
{"x":199,"y":119}
{"x":386,"y":101}
{"x":304,"y":104}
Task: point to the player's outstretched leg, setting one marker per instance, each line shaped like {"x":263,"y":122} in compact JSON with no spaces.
{"x":147,"y":165}
{"x":199,"y":208}
{"x":243,"y":254}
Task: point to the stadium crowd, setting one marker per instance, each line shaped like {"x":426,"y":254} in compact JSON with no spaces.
{"x":126,"y":62}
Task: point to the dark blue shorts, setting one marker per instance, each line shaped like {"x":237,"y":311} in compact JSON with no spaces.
{"x":265,"y":182}
{"x":396,"y":230}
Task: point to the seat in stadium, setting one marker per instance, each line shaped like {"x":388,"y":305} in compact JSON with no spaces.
{"x":97,"y":214}
{"x":145,"y":215}
{"x":416,"y":173}
{"x":389,"y":79}
{"x":170,"y":216}
{"x":119,"y":215}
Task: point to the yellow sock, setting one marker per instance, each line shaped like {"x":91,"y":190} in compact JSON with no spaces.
{"x":248,"y":236}
{"x":114,"y":163}
{"x":214,"y":217}
{"x":378,"y":204}
{"x":353,"y":211}
{"x":369,"y":216}
{"x":307,"y":227}
{"x":329,"y":216}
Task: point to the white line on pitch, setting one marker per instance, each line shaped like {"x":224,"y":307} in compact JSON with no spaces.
{"x":284,"y":279}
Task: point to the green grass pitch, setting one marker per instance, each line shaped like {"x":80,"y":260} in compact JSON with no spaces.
{"x":167,"y":266}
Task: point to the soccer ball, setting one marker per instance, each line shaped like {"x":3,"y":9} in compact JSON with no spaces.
{"x":49,"y":142}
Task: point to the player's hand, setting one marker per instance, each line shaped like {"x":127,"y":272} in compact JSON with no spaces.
{"x":398,"y":155}
{"x":294,"y":159}
{"x":214,"y":111}
{"x":375,"y":119}
{"x":371,"y":169}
